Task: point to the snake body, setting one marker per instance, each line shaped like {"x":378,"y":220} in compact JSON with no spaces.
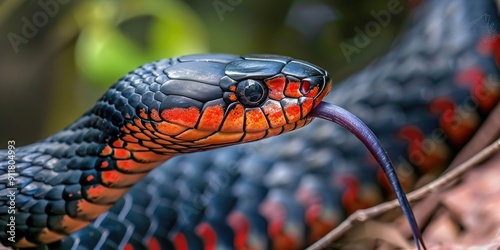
{"x":160,"y":110}
{"x":423,"y":99}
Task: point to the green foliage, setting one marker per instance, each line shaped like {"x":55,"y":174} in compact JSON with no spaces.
{"x":110,"y":44}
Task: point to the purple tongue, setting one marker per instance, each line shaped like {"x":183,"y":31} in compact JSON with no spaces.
{"x":352,"y":123}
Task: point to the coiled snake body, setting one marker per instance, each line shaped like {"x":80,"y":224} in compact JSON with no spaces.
{"x":286,"y":192}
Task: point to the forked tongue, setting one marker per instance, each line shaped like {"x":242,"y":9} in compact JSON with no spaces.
{"x":352,"y":123}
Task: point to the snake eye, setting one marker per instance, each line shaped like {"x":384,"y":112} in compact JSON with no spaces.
{"x":251,"y":92}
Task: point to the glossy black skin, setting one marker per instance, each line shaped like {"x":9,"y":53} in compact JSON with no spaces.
{"x":56,"y":174}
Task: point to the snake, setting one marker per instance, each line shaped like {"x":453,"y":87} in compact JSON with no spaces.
{"x":158,"y":111}
{"x":424,"y":99}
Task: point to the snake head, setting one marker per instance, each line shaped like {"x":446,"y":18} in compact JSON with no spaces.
{"x":274,"y":93}
{"x":198,"y":102}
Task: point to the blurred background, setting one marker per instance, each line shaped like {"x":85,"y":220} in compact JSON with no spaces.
{"x":57,"y":57}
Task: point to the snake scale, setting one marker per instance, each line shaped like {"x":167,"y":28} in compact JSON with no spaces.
{"x":423,"y":99}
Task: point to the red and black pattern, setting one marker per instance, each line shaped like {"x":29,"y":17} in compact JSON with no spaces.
{"x":160,"y":110}
{"x":424,"y":99}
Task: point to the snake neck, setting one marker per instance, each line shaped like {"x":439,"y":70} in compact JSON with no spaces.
{"x":111,"y":153}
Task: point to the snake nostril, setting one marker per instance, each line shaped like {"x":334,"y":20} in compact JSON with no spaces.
{"x":306,"y":87}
